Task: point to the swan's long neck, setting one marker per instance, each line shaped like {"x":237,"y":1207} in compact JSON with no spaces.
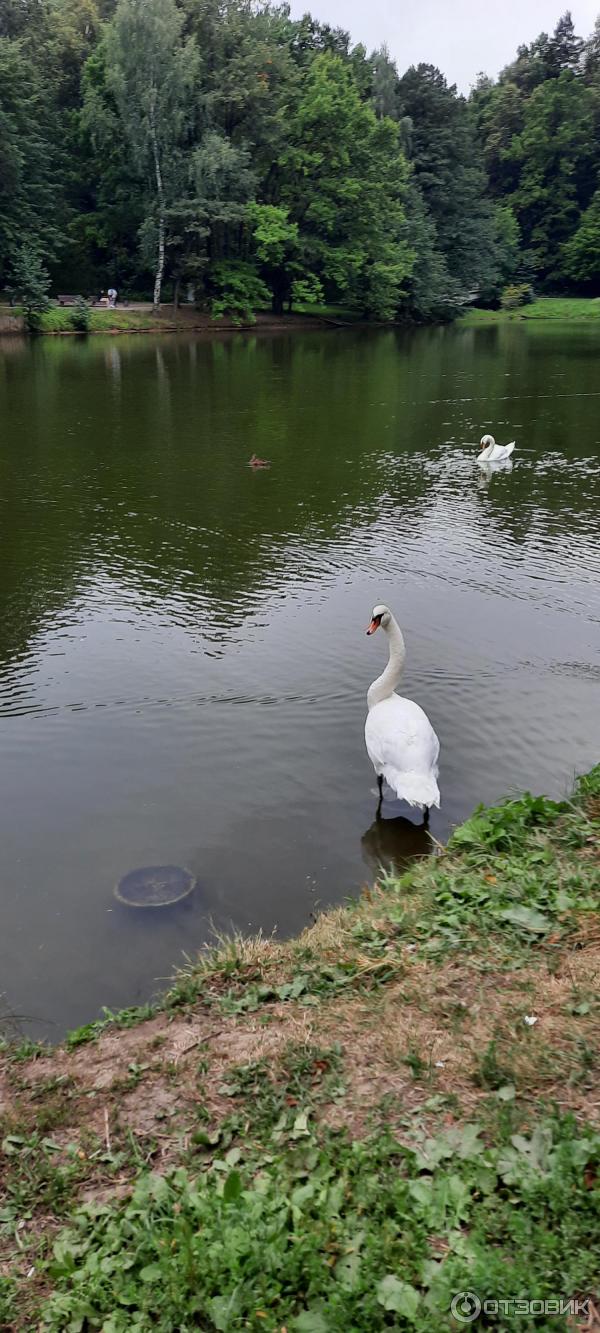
{"x":386,"y":683}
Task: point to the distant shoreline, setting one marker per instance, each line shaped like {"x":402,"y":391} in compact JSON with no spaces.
{"x":138,"y":318}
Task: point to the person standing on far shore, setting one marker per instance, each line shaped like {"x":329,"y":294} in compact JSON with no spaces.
{"x":112,"y":298}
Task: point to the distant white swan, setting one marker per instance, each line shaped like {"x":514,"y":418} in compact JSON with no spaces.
{"x":401,"y":743}
{"x":492,"y":452}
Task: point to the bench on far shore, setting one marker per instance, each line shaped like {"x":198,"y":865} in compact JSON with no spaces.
{"x":63,"y":300}
{"x":73,"y":300}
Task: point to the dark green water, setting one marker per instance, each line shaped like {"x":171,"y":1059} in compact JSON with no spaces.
{"x":183,"y":663}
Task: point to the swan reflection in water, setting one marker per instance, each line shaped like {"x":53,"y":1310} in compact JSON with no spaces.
{"x":394,"y":843}
{"x":488,"y":470}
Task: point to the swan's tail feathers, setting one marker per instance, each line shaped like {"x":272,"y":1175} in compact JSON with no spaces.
{"x":509,"y":449}
{"x":414,"y":788}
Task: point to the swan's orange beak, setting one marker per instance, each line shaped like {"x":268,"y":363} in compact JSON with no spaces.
{"x":373,"y":626}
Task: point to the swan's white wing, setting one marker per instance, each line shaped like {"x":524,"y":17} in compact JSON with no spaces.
{"x":404,"y":749}
{"x":494,"y":452}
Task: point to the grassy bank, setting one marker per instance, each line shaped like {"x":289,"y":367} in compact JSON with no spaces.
{"x":59,"y":320}
{"x":547,"y":307}
{"x":340,"y":1132}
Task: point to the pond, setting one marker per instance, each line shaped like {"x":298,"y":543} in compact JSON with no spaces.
{"x":183,"y":658}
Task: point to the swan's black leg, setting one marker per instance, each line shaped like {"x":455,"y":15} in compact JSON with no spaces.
{"x":426,"y":816}
{"x":380,"y":785}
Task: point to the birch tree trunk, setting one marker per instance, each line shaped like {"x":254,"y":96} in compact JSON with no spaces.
{"x":160,"y":263}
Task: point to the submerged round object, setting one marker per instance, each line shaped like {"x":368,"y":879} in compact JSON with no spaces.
{"x":155,"y":886}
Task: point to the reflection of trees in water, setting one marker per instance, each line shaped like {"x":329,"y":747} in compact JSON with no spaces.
{"x":131,"y":459}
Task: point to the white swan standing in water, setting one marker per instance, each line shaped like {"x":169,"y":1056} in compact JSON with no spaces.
{"x":492,"y":452}
{"x":401,"y":743}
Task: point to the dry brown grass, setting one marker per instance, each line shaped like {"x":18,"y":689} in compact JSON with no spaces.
{"x":427,"y":1032}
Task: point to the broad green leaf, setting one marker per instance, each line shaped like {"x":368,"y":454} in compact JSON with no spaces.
{"x":398,"y":1296}
{"x":310,"y":1321}
{"x":528,"y":918}
{"x":300,"y":1126}
{"x":232,"y":1187}
{"x":223,"y":1310}
{"x":12,"y":1143}
{"x":421,"y":1191}
{"x":468,"y":1142}
{"x":151,"y":1273}
{"x":303,"y":1194}
{"x":347,"y":1270}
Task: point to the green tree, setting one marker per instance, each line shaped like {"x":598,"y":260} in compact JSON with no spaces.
{"x":341,"y":179}
{"x":30,"y":284}
{"x":150,"y":72}
{"x":115,"y":194}
{"x":430,"y":293}
{"x":531,"y":66}
{"x":384,"y":88}
{"x":277,"y":247}
{"x":249,"y":73}
{"x":581,"y":254}
{"x":591,"y":55}
{"x":238,"y":290}
{"x":545,"y":58}
{"x":207,"y":224}
{"x":498,"y":112}
{"x":565,"y":48}
{"x":29,"y":184}
{"x":556,"y":155}
{"x":449,"y":172}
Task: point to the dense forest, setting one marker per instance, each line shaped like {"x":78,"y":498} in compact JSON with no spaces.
{"x":222,"y":149}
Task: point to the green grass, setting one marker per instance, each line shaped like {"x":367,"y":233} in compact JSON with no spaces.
{"x":122,"y":1018}
{"x":514,"y":875}
{"x":35,"y":1175}
{"x":325,"y":1235}
{"x":58,"y":319}
{"x":546,"y":307}
{"x":347,"y":314}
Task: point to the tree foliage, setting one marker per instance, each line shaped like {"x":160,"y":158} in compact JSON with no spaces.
{"x":29,"y":195}
{"x":224,"y":145}
{"x":150,"y":72}
{"x":539,"y":130}
{"x":30,"y":284}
